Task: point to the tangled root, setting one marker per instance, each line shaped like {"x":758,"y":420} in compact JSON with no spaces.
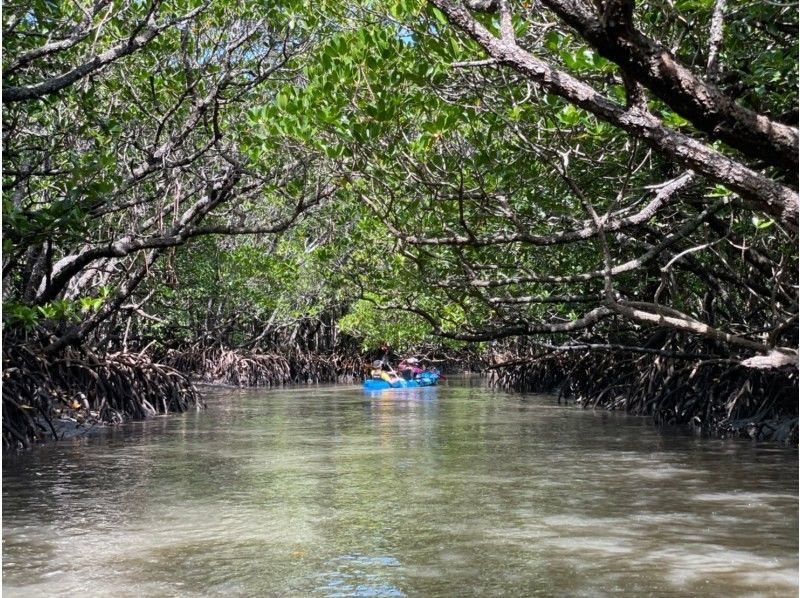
{"x":237,"y":367}
{"x":717,"y":396}
{"x":45,"y":396}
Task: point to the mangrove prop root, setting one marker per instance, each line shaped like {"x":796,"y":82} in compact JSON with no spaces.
{"x":723,"y":398}
{"x":42,"y":395}
{"x":239,"y":367}
{"x":261,"y":368}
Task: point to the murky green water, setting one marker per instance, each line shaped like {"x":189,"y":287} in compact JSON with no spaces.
{"x":453,"y":491}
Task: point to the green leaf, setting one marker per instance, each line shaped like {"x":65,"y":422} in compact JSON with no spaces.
{"x":570,"y":115}
{"x":439,"y":16}
{"x":761,"y":223}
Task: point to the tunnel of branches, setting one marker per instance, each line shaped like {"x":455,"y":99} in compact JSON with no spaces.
{"x":597,"y":200}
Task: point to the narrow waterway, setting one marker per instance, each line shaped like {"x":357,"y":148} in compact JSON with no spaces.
{"x":449,"y":491}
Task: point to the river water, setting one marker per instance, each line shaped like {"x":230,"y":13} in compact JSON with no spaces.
{"x":449,"y":491}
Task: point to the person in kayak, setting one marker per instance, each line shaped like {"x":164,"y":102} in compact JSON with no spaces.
{"x":409,"y":368}
{"x":379,"y":372}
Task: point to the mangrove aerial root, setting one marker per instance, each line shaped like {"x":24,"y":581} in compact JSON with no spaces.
{"x":242,"y":367}
{"x":45,"y":396}
{"x":714,"y":395}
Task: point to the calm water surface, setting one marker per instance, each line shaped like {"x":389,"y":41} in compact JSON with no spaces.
{"x":450,"y":491}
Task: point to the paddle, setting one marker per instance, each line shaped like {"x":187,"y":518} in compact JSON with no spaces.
{"x":391,"y":371}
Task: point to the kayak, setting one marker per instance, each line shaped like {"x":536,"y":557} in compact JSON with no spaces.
{"x":421,"y":380}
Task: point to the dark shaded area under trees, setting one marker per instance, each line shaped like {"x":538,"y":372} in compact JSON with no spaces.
{"x":595,"y":197}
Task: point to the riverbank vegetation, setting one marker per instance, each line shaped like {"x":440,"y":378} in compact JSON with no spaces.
{"x":597,"y":198}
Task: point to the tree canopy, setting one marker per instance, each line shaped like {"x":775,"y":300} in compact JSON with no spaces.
{"x":601,"y":175}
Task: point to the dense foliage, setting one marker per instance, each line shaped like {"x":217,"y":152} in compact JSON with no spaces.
{"x":532,"y":176}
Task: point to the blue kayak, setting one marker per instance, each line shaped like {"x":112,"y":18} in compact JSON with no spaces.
{"x":423,"y":379}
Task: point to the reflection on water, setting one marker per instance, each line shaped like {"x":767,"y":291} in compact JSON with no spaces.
{"x":444,"y":491}
{"x":358,"y":575}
